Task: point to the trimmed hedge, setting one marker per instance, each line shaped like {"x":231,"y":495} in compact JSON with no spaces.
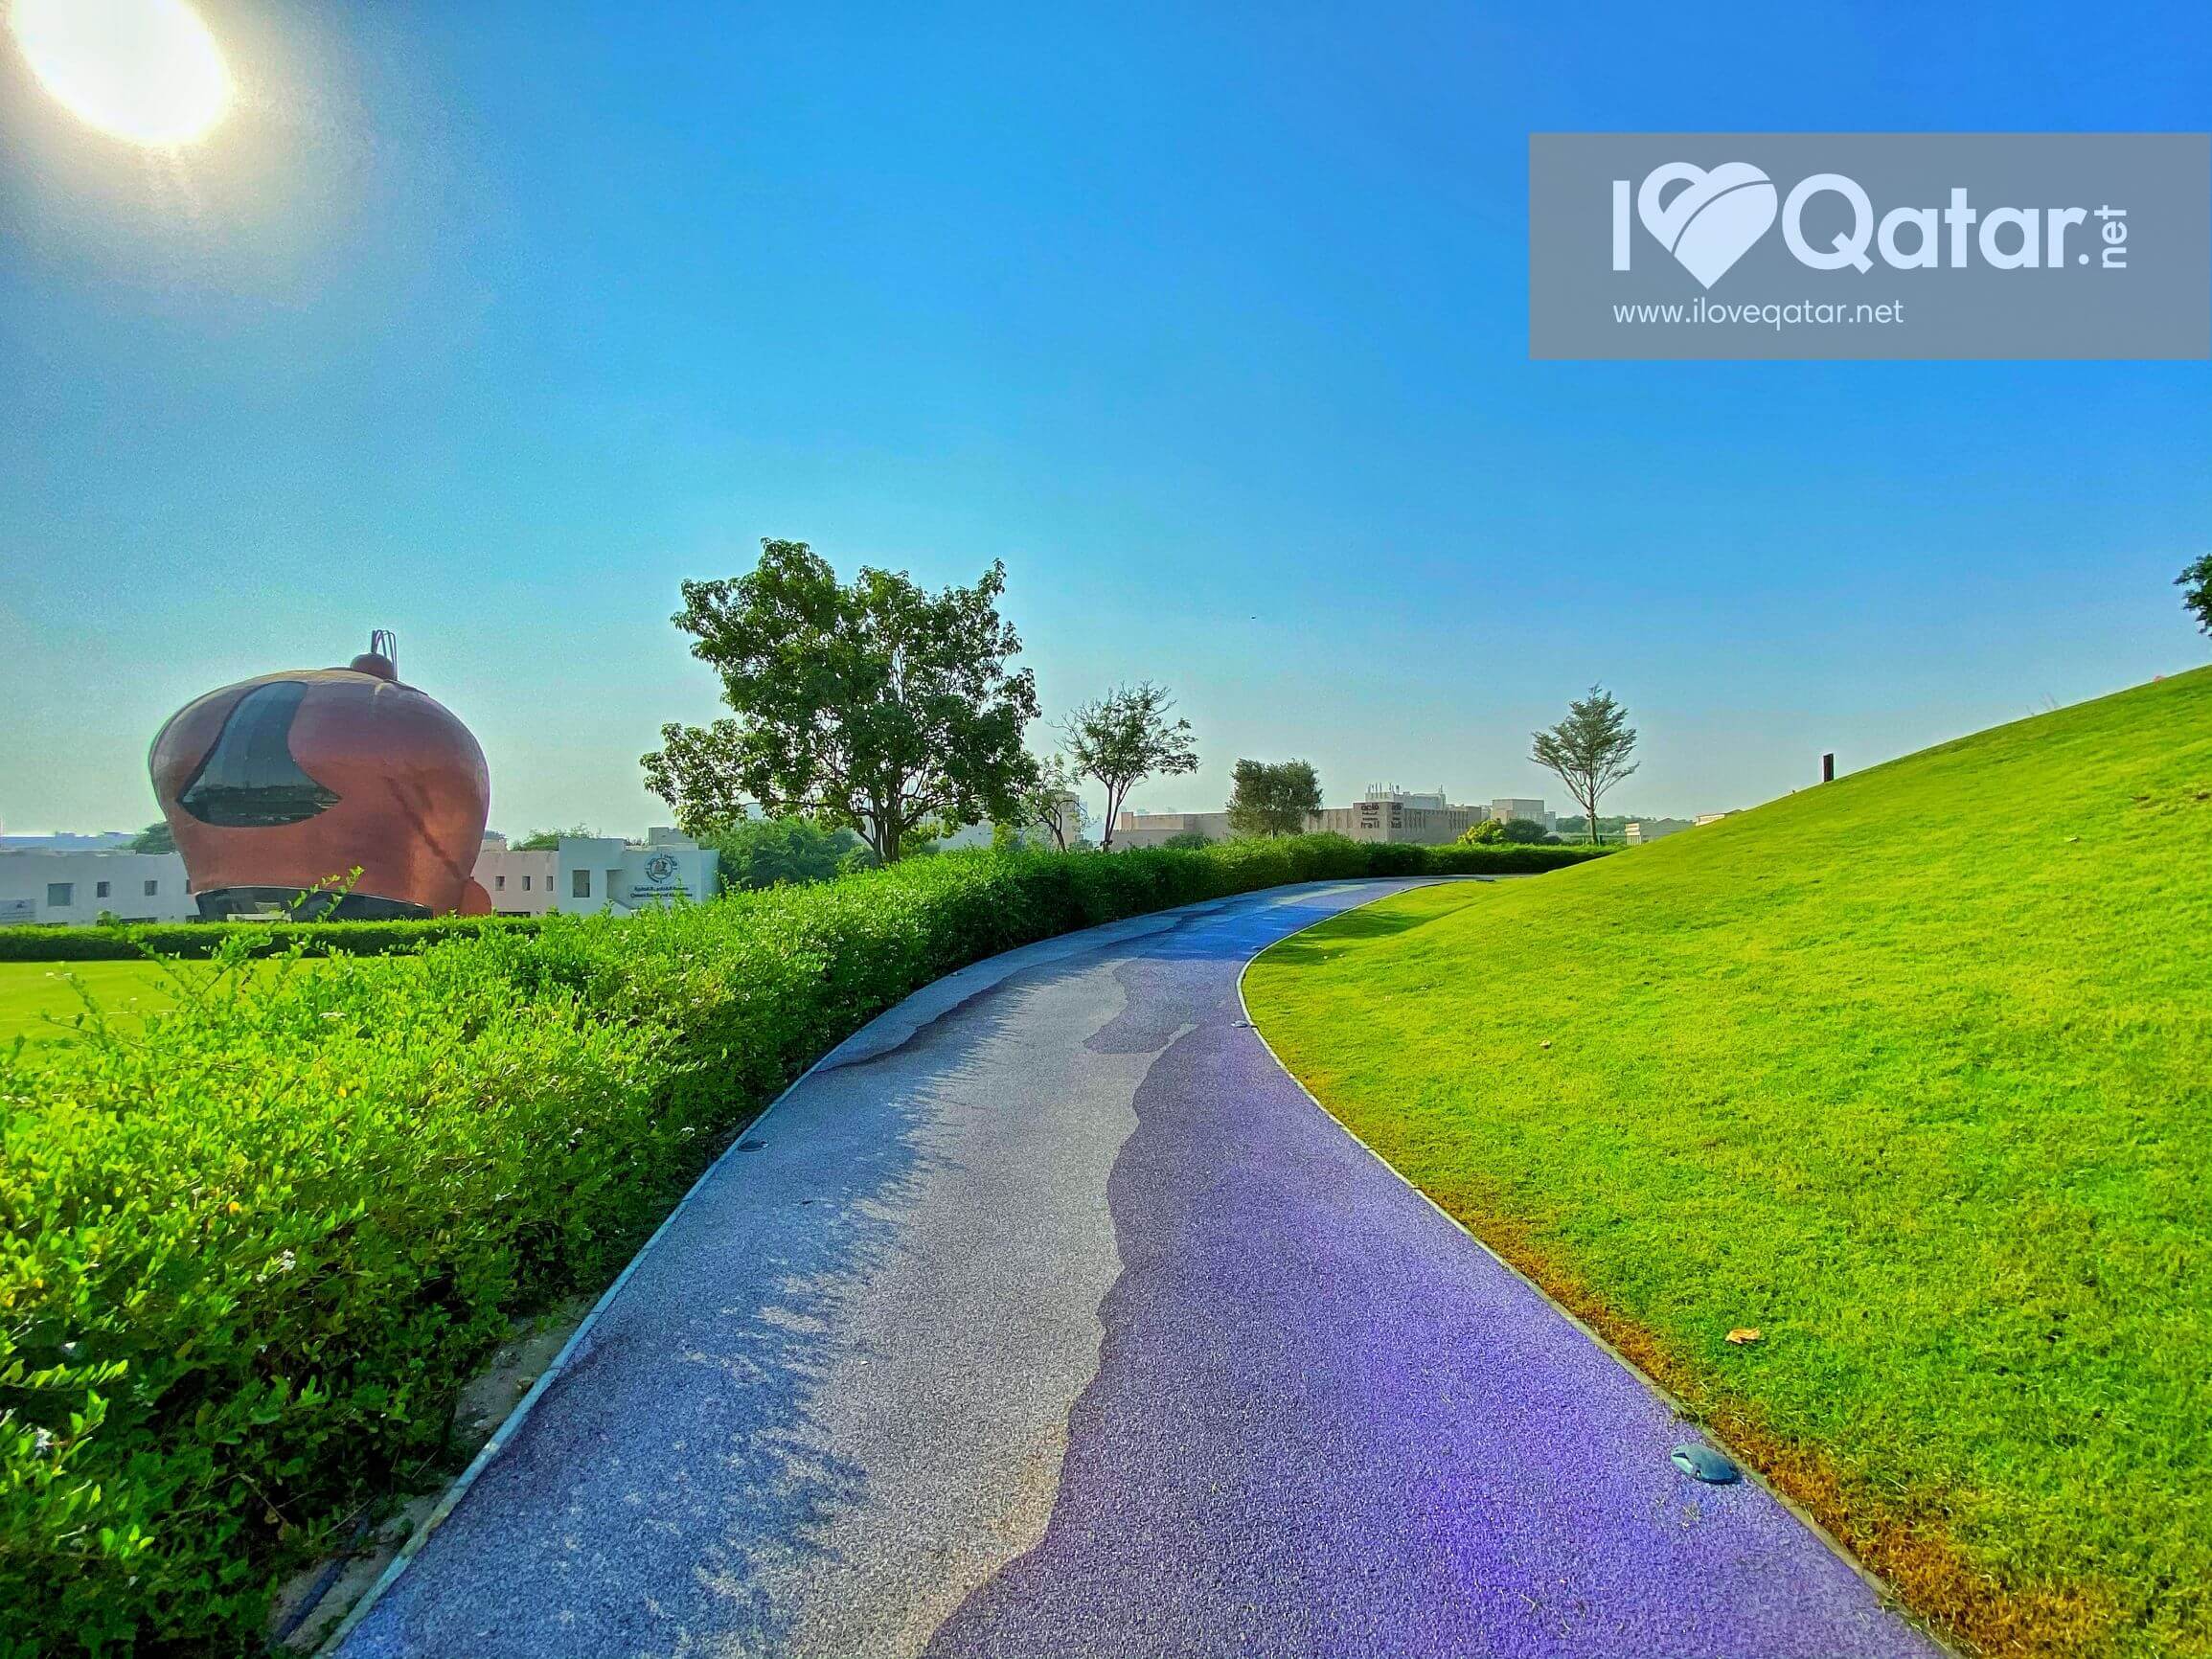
{"x":249,"y":1255}
{"x":198,"y":940}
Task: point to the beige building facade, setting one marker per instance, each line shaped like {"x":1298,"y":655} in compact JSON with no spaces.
{"x":1425,"y":820}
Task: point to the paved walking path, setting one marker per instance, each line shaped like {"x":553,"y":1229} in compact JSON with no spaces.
{"x":1049,"y":1317}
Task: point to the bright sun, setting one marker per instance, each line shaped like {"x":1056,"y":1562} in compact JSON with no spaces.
{"x":146,"y":69}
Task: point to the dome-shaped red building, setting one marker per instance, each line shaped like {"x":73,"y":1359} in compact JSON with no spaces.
{"x":286,"y":783}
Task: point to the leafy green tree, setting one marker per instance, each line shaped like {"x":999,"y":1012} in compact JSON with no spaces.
{"x":549,"y":840}
{"x":1125,"y":738}
{"x":1522,"y":832}
{"x":1272,"y":799}
{"x":154,"y":839}
{"x":1188,"y":840}
{"x":779,"y":852}
{"x":2196,"y":584}
{"x":1052,"y":810}
{"x":873,"y":705}
{"x":1588,"y":751}
{"x":1486,"y":834}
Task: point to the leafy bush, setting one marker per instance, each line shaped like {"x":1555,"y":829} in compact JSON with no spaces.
{"x":249,"y":1253}
{"x":199,"y":940}
{"x":764,"y":851}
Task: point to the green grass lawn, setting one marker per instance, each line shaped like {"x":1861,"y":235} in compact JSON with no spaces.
{"x":32,"y":990}
{"x":1911,"y":1072}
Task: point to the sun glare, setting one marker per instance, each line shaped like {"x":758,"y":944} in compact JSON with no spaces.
{"x":145,"y":69}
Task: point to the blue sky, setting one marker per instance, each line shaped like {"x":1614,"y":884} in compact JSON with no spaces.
{"x":492,"y":321}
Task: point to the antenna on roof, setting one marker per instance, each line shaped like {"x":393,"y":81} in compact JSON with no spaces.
{"x":381,"y":658}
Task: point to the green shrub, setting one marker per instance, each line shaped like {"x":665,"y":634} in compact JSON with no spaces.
{"x":249,"y":1253}
{"x":199,"y":940}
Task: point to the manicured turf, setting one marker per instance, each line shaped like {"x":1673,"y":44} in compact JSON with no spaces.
{"x":32,"y":990}
{"x":1913,"y":1073}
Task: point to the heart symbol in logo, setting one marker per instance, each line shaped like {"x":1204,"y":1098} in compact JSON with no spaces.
{"x":1712,"y":220}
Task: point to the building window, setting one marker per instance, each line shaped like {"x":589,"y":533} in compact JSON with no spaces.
{"x":499,"y":883}
{"x":152,"y":889}
{"x":579,"y":884}
{"x":526,"y":884}
{"x":99,"y":890}
{"x":60,"y":895}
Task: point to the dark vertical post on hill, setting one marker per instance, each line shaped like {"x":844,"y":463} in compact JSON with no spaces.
{"x":1828,"y":768}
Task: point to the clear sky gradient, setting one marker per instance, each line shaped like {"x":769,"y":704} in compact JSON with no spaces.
{"x":491,"y":322}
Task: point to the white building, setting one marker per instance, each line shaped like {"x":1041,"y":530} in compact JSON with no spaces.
{"x":1385,"y":813}
{"x":81,"y":887}
{"x":1506,"y":807}
{"x":588,"y":873}
{"x":584,"y":875}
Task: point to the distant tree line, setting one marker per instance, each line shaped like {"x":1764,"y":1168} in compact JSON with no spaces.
{"x":869,"y":716}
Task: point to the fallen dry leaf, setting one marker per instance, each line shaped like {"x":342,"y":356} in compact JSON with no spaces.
{"x":1743,"y":1335}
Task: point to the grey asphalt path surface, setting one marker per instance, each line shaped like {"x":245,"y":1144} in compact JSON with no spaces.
{"x":1049,"y":1316}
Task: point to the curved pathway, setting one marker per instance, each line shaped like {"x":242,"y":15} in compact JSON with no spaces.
{"x":1048,"y":1316}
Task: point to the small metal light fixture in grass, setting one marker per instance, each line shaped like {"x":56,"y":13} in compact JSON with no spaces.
{"x":1701,"y":1463}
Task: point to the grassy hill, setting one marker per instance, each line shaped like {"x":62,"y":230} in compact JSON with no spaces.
{"x":1911,"y":1072}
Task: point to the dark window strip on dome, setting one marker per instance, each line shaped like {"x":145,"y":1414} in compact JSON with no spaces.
{"x":249,"y":779}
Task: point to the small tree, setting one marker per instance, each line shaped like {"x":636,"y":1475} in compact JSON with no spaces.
{"x":873,"y":704}
{"x":1273,"y":800}
{"x":1125,"y":738}
{"x":1486,"y":834}
{"x":1522,"y":832}
{"x":1051,"y":805}
{"x":2196,"y":584}
{"x":1588,"y":751}
{"x":156,"y":837}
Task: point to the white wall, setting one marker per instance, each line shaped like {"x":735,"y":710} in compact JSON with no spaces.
{"x":628,"y":877}
{"x":519,"y":883}
{"x":28,"y":879}
{"x":595,"y":873}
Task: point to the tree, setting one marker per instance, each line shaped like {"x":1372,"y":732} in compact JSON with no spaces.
{"x":2196,"y":584}
{"x":697,"y":773}
{"x":1588,"y":751}
{"x":1050,"y":806}
{"x":550,"y":840}
{"x":873,"y":705}
{"x":1522,"y":831}
{"x":1188,"y":840}
{"x":779,"y":852}
{"x":1125,"y":738}
{"x":1486,"y":834}
{"x":154,"y":839}
{"x":1273,"y":800}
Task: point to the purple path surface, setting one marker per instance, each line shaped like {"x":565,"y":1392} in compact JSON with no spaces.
{"x":1051,"y":1317}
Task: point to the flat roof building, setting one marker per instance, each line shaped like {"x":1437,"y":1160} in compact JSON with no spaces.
{"x":1384,"y":813}
{"x":586,"y":874}
{"x":80,"y":888}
